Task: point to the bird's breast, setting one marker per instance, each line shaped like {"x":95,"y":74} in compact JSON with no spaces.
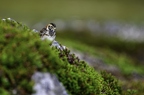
{"x":50,"y":38}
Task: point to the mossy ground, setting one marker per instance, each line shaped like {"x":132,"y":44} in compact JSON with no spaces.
{"x":108,"y":51}
{"x":125,"y":60}
{"x":22,"y":53}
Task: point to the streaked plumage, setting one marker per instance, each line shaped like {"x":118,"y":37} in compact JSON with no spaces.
{"x":48,"y":32}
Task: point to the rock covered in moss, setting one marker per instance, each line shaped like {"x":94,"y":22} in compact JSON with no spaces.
{"x":22,"y":53}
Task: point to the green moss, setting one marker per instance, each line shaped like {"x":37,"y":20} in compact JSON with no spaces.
{"x":111,"y":85}
{"x":22,"y":53}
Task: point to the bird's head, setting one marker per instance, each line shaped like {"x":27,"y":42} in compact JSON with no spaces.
{"x":51,"y":27}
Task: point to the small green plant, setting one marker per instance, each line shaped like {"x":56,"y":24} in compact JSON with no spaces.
{"x":131,"y":92}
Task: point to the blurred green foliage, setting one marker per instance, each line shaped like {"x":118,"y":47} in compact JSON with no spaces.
{"x":35,"y":10}
{"x":131,"y":48}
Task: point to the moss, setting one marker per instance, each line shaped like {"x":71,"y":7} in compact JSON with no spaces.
{"x":111,"y":85}
{"x":22,"y":53}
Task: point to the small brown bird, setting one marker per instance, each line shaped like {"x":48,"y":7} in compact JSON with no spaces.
{"x":48,"y":32}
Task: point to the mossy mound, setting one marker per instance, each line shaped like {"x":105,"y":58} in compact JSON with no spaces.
{"x":22,"y":53}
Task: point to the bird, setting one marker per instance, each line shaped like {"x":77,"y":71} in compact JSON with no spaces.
{"x":48,"y":32}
